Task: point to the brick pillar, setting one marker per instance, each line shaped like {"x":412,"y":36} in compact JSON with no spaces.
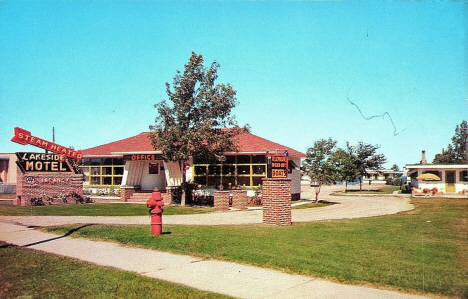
{"x":239,"y":199}
{"x":276,"y":194}
{"x":126,"y":192}
{"x":221,"y":200}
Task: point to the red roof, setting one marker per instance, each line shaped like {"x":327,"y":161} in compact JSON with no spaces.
{"x":248,"y":143}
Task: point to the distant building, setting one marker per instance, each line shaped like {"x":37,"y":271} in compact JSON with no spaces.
{"x":453,"y":178}
{"x":7,"y":173}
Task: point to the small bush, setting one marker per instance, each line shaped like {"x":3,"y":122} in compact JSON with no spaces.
{"x":396,"y":182}
{"x":36,"y":201}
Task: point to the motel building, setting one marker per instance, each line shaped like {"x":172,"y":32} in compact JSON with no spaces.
{"x":131,"y":167}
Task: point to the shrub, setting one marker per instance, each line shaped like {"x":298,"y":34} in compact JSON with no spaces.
{"x":396,"y":182}
{"x":36,"y":201}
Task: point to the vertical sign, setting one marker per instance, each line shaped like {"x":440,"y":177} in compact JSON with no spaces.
{"x":277,"y":165}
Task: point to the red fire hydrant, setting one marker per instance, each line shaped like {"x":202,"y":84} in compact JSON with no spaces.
{"x":155,"y":204}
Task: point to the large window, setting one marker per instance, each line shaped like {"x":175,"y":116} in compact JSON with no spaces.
{"x":102,"y":171}
{"x":463,"y":176}
{"x":241,"y":170}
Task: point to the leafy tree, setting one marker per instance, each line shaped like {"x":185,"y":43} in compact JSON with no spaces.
{"x":395,"y":167}
{"x":366,"y":158}
{"x":345,"y":166}
{"x":197,"y":122}
{"x":319,"y":164}
{"x":456,"y":152}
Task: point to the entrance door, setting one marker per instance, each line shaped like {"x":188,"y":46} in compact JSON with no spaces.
{"x":450,"y":181}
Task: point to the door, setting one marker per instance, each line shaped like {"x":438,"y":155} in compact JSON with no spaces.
{"x":450,"y":181}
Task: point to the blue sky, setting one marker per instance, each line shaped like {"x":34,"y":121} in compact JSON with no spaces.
{"x":94,"y":69}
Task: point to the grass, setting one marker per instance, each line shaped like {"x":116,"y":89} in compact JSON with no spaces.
{"x":384,"y":189}
{"x":311,"y":205}
{"x":93,"y":209}
{"x":28,"y":273}
{"x":425,"y":250}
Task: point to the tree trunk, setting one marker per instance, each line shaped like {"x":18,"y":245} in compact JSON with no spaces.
{"x":182,"y":185}
{"x":360,"y":184}
{"x":317,"y":191}
{"x":346,"y":187}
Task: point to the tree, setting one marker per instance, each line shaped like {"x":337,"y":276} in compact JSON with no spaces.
{"x":319,"y":164}
{"x":197,"y":122}
{"x":366,"y":158}
{"x":345,"y":166}
{"x":456,"y":152}
{"x":395,"y":167}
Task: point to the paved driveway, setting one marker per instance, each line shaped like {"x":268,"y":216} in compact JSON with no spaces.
{"x":345,"y":207}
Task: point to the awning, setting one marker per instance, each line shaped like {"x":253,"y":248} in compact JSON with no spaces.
{"x":428,"y":177}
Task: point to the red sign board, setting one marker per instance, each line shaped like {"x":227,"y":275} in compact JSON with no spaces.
{"x":277,"y":165}
{"x":24,"y":137}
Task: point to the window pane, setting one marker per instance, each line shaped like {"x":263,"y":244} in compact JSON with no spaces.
{"x":214,"y":169}
{"x":229,"y":179}
{"x":200,"y":180}
{"x":258,"y":169}
{"x":107,"y":161}
{"x":95,"y":180}
{"x":117,"y":180}
{"x":229,"y":169}
{"x":107,"y":170}
{"x":257,"y":181}
{"x":258,"y":159}
{"x":95,"y":170}
{"x":95,"y":161}
{"x":200,"y":170}
{"x":243,"y":159}
{"x":243,"y":169}
{"x":107,"y":180}
{"x":86,"y":162}
{"x":464,"y":176}
{"x":118,"y":170}
{"x":118,"y":161}
{"x":243,"y":180}
{"x":214,"y":181}
{"x":230,"y":159}
{"x":154,"y":168}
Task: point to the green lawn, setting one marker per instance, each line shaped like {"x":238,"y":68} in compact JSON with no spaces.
{"x":366,"y":189}
{"x":27,"y":273}
{"x":425,"y":250}
{"x":94,"y":209}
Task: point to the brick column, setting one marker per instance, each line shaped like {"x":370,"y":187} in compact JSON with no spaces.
{"x":221,"y":200}
{"x":239,"y":199}
{"x":276,"y":194}
{"x":126,"y":192}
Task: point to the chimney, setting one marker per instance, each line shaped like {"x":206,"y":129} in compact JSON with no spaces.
{"x":423,"y":159}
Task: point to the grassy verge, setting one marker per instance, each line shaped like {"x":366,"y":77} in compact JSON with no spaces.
{"x":28,"y":273}
{"x":424,"y":250}
{"x":384,"y":189}
{"x":93,"y":209}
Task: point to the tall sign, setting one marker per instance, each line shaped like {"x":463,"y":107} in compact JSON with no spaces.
{"x":277,"y":165}
{"x":24,"y":137}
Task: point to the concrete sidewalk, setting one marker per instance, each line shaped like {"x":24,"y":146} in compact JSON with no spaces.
{"x":232,"y":279}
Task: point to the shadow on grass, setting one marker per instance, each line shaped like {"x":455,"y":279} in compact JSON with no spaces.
{"x":57,"y":238}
